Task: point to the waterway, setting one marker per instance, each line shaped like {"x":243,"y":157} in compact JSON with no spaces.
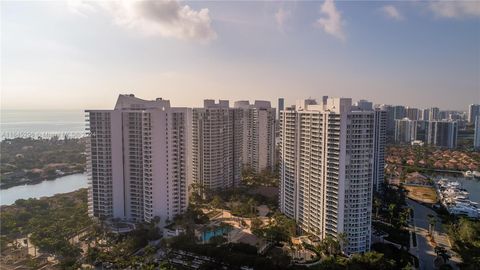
{"x":62,"y":184}
{"x":471,"y":185}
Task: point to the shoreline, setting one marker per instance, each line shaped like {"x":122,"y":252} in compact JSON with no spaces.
{"x":45,"y":198}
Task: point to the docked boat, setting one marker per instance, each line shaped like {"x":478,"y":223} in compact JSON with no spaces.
{"x":456,"y":199}
{"x":465,"y":209}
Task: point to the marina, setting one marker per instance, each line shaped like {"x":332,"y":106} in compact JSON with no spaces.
{"x":456,"y":199}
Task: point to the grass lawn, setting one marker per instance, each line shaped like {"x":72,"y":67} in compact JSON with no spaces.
{"x":422,"y":194}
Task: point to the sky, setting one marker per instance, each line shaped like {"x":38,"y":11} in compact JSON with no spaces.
{"x":81,"y":55}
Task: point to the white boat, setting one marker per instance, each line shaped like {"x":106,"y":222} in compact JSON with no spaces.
{"x":453,"y":184}
{"x":468,"y":174}
{"x":465,"y":209}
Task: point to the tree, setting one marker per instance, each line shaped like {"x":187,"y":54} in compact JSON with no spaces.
{"x":442,"y":252}
{"x":329,"y":245}
{"x":255,"y":224}
{"x":252,"y":205}
{"x":149,"y":250}
{"x":217,"y":240}
{"x":217,"y":202}
{"x":404,"y":217}
{"x":165,"y":265}
{"x":369,"y":260}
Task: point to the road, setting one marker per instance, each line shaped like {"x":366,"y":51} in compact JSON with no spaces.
{"x":424,"y":251}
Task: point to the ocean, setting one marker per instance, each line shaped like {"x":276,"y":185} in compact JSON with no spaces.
{"x":45,"y":124}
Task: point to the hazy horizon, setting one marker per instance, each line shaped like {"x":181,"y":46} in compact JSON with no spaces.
{"x":79,"y":55}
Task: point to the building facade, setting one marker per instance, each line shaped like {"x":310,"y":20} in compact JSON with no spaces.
{"x":476,"y":136}
{"x":364,"y":105}
{"x":400,"y":112}
{"x":405,"y":131}
{"x":390,"y":121}
{"x":413,"y":113}
{"x":138,"y":163}
{"x":258,"y":136}
{"x":473,"y":112}
{"x":380,"y":141}
{"x":425,"y":115}
{"x":326,"y":170}
{"x":442,"y":133}
{"x":217,"y":145}
{"x":434,"y":114}
{"x":281,"y":106}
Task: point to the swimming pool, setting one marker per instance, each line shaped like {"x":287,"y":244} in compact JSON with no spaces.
{"x":209,"y":234}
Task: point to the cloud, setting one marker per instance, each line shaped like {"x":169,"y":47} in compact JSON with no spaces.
{"x":455,"y":9}
{"x":281,"y":16}
{"x":332,"y":22}
{"x":166,"y":18}
{"x":392,"y":12}
{"x":80,"y":7}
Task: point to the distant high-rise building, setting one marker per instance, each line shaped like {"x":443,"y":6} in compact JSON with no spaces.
{"x":258,"y":139}
{"x":327,"y":169}
{"x":138,"y":160}
{"x":473,"y":112}
{"x":390,"y":121}
{"x":364,"y":105}
{"x":380,"y":141}
{"x":217,"y":145}
{"x":405,"y":130}
{"x":442,"y":133}
{"x":281,"y":106}
{"x":476,"y":137}
{"x":434,"y":114}
{"x":425,"y":114}
{"x":412,"y":113}
{"x":443,"y":115}
{"x":421,"y":130}
{"x":455,"y":115}
{"x":399,"y":112}
{"x":300,"y":105}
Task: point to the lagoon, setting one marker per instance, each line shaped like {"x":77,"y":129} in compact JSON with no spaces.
{"x":46,"y":188}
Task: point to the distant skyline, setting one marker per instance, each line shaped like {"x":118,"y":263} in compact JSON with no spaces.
{"x":81,"y":55}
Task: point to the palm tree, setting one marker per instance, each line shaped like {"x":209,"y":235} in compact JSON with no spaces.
{"x":342,"y":240}
{"x":432,"y":220}
{"x":156,"y":220}
{"x":253,"y":205}
{"x":404,"y":217}
{"x":330,"y":245}
{"x":391,"y":211}
{"x":377,"y":203}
